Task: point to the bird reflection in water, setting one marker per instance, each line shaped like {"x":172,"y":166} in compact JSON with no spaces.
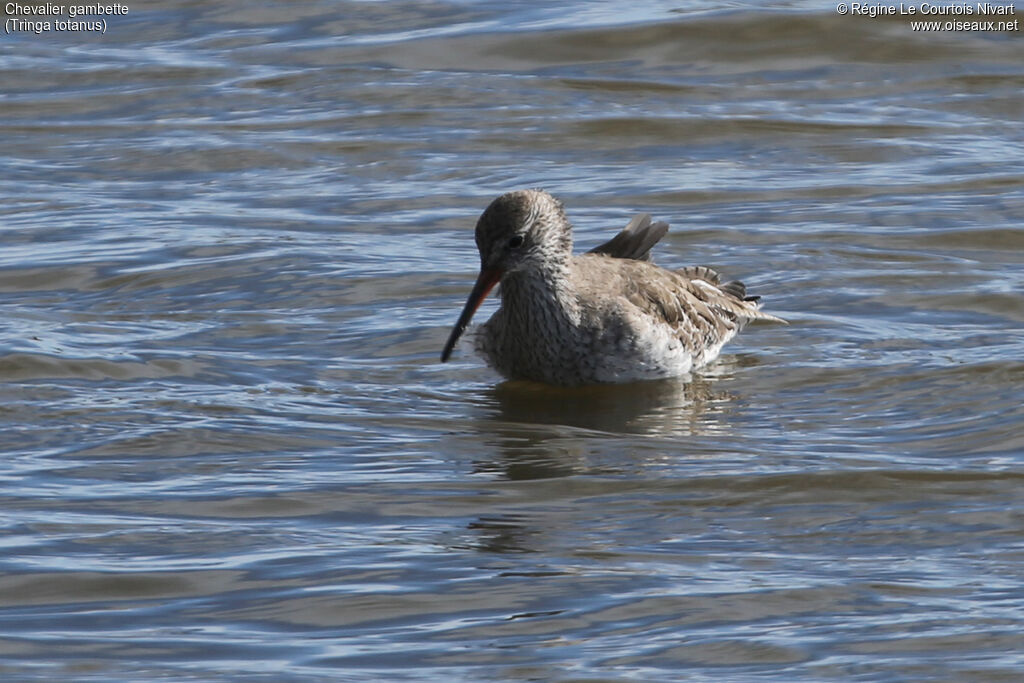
{"x":536,"y":431}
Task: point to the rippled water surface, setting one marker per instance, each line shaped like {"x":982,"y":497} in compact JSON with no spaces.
{"x":234,"y":240}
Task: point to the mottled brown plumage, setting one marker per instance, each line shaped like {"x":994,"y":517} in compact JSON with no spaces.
{"x":605,"y":316}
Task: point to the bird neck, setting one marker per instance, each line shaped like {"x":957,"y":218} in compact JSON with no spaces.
{"x":546,"y":287}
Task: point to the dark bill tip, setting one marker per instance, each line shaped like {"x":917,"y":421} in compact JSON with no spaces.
{"x":484,"y":284}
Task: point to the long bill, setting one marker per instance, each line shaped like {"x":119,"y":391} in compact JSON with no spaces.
{"x":484,"y":284}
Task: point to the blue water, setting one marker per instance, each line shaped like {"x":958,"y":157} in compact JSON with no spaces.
{"x":234,"y":240}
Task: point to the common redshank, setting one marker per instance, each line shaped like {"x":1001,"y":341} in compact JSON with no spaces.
{"x":605,"y":316}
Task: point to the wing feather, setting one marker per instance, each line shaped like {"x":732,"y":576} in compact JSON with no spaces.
{"x":635,"y":241}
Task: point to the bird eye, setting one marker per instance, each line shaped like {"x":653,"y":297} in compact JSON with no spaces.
{"x":516,"y":241}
